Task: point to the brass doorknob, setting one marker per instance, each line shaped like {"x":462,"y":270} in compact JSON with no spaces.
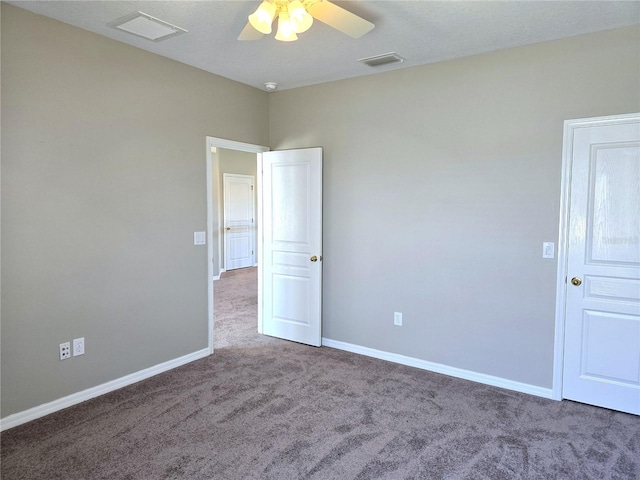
{"x":314,"y":259}
{"x":228,"y":228}
{"x":576,"y":281}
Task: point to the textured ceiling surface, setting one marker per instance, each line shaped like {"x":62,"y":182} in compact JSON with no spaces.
{"x":420,"y":31}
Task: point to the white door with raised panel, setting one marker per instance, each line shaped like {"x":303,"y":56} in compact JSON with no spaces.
{"x":292,"y":245}
{"x":602,"y":317}
{"x":239,"y":224}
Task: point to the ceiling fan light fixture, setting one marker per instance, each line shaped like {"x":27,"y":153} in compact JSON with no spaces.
{"x":299,"y":16}
{"x":286,"y":28}
{"x":263,"y":17}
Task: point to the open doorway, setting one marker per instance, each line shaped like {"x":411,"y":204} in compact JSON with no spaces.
{"x":230,"y":157}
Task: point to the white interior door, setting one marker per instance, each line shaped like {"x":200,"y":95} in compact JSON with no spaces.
{"x":602,"y":318}
{"x":239,"y":222}
{"x":292,"y":245}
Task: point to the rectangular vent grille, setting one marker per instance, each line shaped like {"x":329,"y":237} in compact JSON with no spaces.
{"x":146,"y":26}
{"x":384,"y":59}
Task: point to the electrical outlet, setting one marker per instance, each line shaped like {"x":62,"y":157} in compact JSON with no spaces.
{"x":65,"y":350}
{"x":78,"y":346}
{"x":397,"y":318}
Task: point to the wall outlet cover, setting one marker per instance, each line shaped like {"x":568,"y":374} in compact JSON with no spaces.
{"x":78,"y":346}
{"x":65,"y":350}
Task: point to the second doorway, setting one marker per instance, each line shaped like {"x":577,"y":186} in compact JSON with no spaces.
{"x":239,"y":221}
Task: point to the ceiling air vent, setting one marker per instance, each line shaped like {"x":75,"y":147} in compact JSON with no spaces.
{"x":146,"y":26}
{"x":384,"y":59}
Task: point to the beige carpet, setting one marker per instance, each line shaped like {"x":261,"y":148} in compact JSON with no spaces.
{"x":235,"y":304}
{"x":262,"y":408}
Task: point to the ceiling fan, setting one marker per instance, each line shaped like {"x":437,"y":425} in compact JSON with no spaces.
{"x":296,"y":16}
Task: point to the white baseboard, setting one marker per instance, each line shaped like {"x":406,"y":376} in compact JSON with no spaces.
{"x":40,"y":411}
{"x":217,"y":277}
{"x":440,"y":368}
{"x":19,"y":418}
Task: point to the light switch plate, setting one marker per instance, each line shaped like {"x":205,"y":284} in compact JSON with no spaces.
{"x":548,"y":250}
{"x":199,"y":238}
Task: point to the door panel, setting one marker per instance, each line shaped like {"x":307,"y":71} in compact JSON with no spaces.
{"x":614,"y":225}
{"x":292,"y":219}
{"x":601,"y":329}
{"x":602,"y":324}
{"x":238,"y":221}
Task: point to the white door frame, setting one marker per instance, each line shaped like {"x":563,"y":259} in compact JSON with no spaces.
{"x":213,"y":166}
{"x":563,"y":241}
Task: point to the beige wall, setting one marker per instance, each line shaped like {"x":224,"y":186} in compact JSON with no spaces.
{"x":103,"y":185}
{"x":239,"y":163}
{"x":235,"y":161}
{"x":440,"y":184}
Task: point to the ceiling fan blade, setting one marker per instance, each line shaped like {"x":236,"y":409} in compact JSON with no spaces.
{"x":340,"y":19}
{"x":249,"y":33}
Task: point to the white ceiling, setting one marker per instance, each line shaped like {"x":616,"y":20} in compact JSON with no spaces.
{"x":420,"y":31}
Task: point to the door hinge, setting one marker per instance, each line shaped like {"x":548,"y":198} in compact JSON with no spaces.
{"x":251,"y":187}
